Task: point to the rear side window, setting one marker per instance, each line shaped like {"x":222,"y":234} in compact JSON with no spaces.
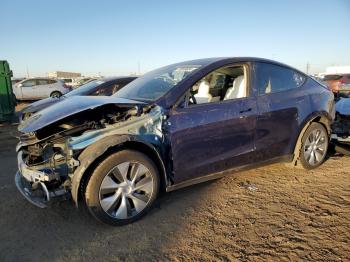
{"x":110,"y":89}
{"x":42,"y":82}
{"x":104,"y":90}
{"x":120,"y":85}
{"x":273,"y":78}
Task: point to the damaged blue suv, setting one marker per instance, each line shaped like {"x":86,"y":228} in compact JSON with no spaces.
{"x":173,"y":127}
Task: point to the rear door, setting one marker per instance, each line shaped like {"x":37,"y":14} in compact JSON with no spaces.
{"x":43,"y":89}
{"x":211,"y":137}
{"x":280,"y":100}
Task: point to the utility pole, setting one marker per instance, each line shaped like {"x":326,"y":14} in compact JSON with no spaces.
{"x":27,"y":71}
{"x":307,"y":67}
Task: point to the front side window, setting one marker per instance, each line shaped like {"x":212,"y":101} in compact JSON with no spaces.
{"x":225,"y":83}
{"x":29,"y":83}
{"x":273,"y":78}
{"x":157,"y":83}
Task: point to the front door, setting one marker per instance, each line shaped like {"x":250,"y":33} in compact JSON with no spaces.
{"x":28,"y":89}
{"x":216,"y":131}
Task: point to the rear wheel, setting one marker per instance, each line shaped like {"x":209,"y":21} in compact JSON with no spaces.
{"x":122,"y":188}
{"x":56,"y":94}
{"x":314,"y":146}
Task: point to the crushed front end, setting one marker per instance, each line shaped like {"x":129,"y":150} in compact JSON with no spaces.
{"x":43,"y":169}
{"x":48,"y":154}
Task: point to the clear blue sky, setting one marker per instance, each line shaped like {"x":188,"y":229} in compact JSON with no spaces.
{"x":112,"y":37}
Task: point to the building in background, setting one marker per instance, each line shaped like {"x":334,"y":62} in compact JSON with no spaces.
{"x":61,"y":74}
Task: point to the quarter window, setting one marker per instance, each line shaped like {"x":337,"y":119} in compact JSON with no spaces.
{"x":273,"y":78}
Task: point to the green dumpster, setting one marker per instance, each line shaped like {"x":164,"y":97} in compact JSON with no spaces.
{"x":7,"y":101}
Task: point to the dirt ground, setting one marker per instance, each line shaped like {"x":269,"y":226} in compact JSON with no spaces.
{"x":275,"y":213}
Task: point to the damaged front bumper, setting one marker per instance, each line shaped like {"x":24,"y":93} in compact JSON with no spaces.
{"x":26,"y":189}
{"x":31,"y":183}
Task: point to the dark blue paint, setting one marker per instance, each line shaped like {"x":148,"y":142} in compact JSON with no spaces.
{"x":213,"y":137}
{"x":210,"y":138}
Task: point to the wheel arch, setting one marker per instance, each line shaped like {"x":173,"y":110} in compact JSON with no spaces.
{"x":321,"y":117}
{"x":95,"y":153}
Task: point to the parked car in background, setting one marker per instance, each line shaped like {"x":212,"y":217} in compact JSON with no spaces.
{"x":83,"y":81}
{"x":38,"y":88}
{"x":102,"y":87}
{"x":341,"y":125}
{"x":68,"y":81}
{"x":173,"y":127}
{"x":344,"y":90}
{"x":336,"y":80}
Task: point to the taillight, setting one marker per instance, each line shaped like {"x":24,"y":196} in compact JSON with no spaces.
{"x":66,"y":86}
{"x":341,"y":81}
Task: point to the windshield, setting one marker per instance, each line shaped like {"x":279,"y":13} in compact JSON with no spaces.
{"x":155,"y":84}
{"x":85,"y":89}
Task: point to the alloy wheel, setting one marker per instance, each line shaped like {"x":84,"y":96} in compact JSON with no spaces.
{"x":126,"y":190}
{"x":315,"y":147}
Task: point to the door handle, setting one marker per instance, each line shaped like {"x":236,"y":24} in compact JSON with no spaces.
{"x":245,"y":111}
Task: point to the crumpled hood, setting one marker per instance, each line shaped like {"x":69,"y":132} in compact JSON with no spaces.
{"x":68,"y":107}
{"x":41,"y":104}
{"x":343,"y":106}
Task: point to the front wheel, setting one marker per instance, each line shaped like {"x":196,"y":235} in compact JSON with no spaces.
{"x":122,"y":188}
{"x":314,"y":146}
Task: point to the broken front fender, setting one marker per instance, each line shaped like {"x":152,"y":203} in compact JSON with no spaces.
{"x":96,"y":150}
{"x":145,"y":129}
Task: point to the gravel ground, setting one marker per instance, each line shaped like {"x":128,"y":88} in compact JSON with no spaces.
{"x":275,"y":213}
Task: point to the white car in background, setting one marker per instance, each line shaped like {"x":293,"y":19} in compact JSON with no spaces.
{"x":38,"y":88}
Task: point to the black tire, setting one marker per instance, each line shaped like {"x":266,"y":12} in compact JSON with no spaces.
{"x":304,"y":158}
{"x":56,"y":94}
{"x":94,"y":185}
